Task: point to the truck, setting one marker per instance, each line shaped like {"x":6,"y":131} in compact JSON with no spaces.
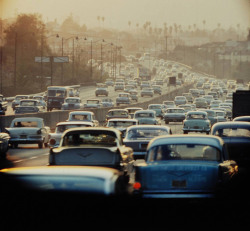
{"x":144,"y":73}
{"x":241,"y":103}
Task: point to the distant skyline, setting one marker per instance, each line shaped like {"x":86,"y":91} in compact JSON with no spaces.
{"x":117,"y":13}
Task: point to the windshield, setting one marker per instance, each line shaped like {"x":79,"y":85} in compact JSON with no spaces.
{"x":145,"y":133}
{"x":233,"y":132}
{"x":121,"y":124}
{"x":183,"y":152}
{"x":72,"y":100}
{"x":62,"y":128}
{"x":94,"y":137}
{"x":144,"y":115}
{"x":56,"y":93}
{"x":175,"y":110}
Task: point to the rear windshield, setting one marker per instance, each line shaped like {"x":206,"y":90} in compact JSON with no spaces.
{"x":183,"y":152}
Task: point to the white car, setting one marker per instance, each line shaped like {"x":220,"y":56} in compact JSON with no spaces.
{"x":72,"y":103}
{"x":85,"y":116}
{"x":55,"y":137}
{"x":28,"y":130}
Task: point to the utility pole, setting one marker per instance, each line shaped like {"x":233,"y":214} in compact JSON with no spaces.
{"x":166,"y":47}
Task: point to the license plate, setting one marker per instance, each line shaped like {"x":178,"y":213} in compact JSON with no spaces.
{"x":196,"y":127}
{"x":23,"y":136}
{"x":179,"y":183}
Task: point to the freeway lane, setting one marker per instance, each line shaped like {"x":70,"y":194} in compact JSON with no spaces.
{"x":30,"y":155}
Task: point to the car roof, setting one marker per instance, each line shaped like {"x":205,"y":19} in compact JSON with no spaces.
{"x":73,"y":122}
{"x":121,"y":119}
{"x":81,"y":112}
{"x":197,"y":112}
{"x":188,"y":139}
{"x":149,"y":126}
{"x":144,"y":111}
{"x":28,"y":119}
{"x":230,"y":124}
{"x":93,"y":129}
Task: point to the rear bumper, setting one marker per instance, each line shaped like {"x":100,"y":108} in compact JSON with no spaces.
{"x":170,"y":194}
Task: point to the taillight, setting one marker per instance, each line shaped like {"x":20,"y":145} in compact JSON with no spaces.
{"x":137,"y":185}
{"x":39,"y":131}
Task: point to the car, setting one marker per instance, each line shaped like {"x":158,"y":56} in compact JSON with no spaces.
{"x":158,"y":108}
{"x":157,"y":89}
{"x":211,"y":115}
{"x":215,"y":103}
{"x":72,"y":103}
{"x":121,"y":124}
{"x":101,"y":89}
{"x":180,"y":166}
{"x":93,"y":147}
{"x":109,"y":82}
{"x":147,"y":117}
{"x":85,"y":116}
{"x":200,"y":102}
{"x":17,"y":99}
{"x":208,"y":99}
{"x":119,"y":86}
{"x":187,"y":107}
{"x":55,"y":137}
{"x":133,"y":95}
{"x":129,"y":88}
{"x":123,"y":98}
{"x":107,"y":102}
{"x":189,"y":97}
{"x":174,"y":115}
{"x":221,"y":115}
{"x":242,"y":118}
{"x":92,"y":103}
{"x":195,"y":92}
{"x":236,"y":135}
{"x":83,"y":180}
{"x":145,"y":84}
{"x":196,"y":121}
{"x":28,"y":106}
{"x":28,"y":130}
{"x":132,"y":110}
{"x":179,"y":100}
{"x":138,"y":136}
{"x":4,"y":144}
{"x":147,"y":92}
{"x":169,"y":104}
{"x":117,"y":113}
{"x":40,"y":98}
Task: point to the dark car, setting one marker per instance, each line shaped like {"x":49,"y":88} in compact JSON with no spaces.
{"x":138,"y":136}
{"x":181,"y":166}
{"x":236,"y":136}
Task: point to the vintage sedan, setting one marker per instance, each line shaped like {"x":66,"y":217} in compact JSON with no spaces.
{"x":158,"y":108}
{"x":123,"y":98}
{"x":93,"y":147}
{"x":107,"y":102}
{"x":133,"y":94}
{"x":117,"y":113}
{"x":85,"y":116}
{"x":92,"y":103}
{"x":4,"y":144}
{"x":196,"y":121}
{"x":179,"y":100}
{"x":28,"y":130}
{"x":236,"y":136}
{"x":28,"y":106}
{"x":179,"y":166}
{"x":72,"y":103}
{"x":211,"y":115}
{"x":138,"y":137}
{"x":174,"y":115}
{"x":147,"y":92}
{"x":132,"y":110}
{"x":87,"y":180}
{"x":200,"y":102}
{"x":17,"y":99}
{"x":147,"y":117}
{"x":41,"y":99}
{"x":121,"y":124}
{"x":61,"y":127}
{"x":101,"y":89}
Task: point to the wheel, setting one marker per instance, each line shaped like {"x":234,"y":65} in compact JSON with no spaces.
{"x":166,"y":122}
{"x":185,"y":132}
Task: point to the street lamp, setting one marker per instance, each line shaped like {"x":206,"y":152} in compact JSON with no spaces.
{"x":91,"y":48}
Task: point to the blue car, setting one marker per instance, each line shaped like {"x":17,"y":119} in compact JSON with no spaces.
{"x":184,"y":166}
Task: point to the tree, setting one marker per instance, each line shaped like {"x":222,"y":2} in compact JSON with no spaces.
{"x":23,"y":41}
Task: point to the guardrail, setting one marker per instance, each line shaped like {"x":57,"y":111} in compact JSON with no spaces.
{"x":53,"y":117}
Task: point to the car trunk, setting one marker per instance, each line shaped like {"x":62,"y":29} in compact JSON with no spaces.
{"x":22,"y":131}
{"x":180,"y":176}
{"x":86,"y":156}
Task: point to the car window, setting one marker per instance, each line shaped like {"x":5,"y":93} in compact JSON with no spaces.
{"x":28,"y":124}
{"x":90,"y":138}
{"x":233,"y":132}
{"x":183,"y":152}
{"x":145,"y":133}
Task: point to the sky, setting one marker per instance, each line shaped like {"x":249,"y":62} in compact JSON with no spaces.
{"x":117,"y":13}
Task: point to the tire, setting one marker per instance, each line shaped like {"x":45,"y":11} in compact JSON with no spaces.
{"x":166,"y":122}
{"x":185,"y":132}
{"x":40,"y":145}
